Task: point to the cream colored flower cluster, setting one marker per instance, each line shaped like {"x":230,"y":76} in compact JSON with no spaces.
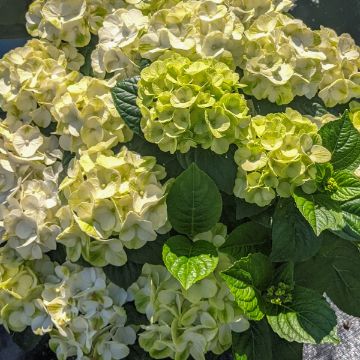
{"x":71,"y":21}
{"x":186,"y":104}
{"x":283,"y":58}
{"x":29,"y":170}
{"x":86,"y":315}
{"x":185,"y":323}
{"x":278,"y":154}
{"x":85,"y":115}
{"x":21,"y":284}
{"x":114,"y":201}
{"x":32,"y":76}
{"x":81,"y":311}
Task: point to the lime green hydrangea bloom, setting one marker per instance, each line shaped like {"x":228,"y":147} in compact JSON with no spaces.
{"x":114,"y":201}
{"x":86,"y":315}
{"x":185,"y":104}
{"x":20,"y":289}
{"x":86,"y":115}
{"x":117,"y":50}
{"x":278,"y":154}
{"x":196,"y":29}
{"x":185,"y":323}
{"x":30,"y":78}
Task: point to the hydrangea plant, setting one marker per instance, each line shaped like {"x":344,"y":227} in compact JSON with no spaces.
{"x":178,"y":180}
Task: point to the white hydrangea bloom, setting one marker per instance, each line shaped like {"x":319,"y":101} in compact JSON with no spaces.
{"x":86,"y":115}
{"x":195,"y":29}
{"x":117,"y":50}
{"x":114,"y":201}
{"x":30,"y":78}
{"x":20,"y":289}
{"x":249,"y":10}
{"x":86,"y":314}
{"x":71,"y":21}
{"x":29,"y":170}
{"x":185,"y":323}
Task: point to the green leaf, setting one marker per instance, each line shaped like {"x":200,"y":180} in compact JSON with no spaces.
{"x":123,"y":276}
{"x":284,"y":350}
{"x":246,"y":279}
{"x":292,"y":237}
{"x":342,"y":139}
{"x":215,"y":165}
{"x":124,"y":94}
{"x":308,"y":319}
{"x":137,"y":353}
{"x":253,"y":344}
{"x":334,"y":271}
{"x":189,"y":261}
{"x":194,"y":202}
{"x":348,"y":186}
{"x":245,"y":239}
{"x":319,"y":210}
{"x":150,"y":253}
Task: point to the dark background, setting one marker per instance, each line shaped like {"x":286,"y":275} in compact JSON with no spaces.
{"x":341,"y":15}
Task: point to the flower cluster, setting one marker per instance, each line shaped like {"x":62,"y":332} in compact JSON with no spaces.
{"x":83,"y":313}
{"x":341,"y":69}
{"x":117,"y":51}
{"x":85,"y":115}
{"x":114,"y":201}
{"x":284,"y":58}
{"x":278,"y":154}
{"x":249,"y":10}
{"x":29,"y":169}
{"x":31,"y":77}
{"x":21,"y":283}
{"x":185,"y":323}
{"x":197,"y":29}
{"x":71,"y":21}
{"x":185,"y":104}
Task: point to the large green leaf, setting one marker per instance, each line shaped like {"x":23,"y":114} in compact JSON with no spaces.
{"x":221,"y":168}
{"x":189,"y":261}
{"x":245,"y":239}
{"x":246,"y":279}
{"x":27,"y":340}
{"x":308,"y":319}
{"x":334,"y":271}
{"x":319,"y":210}
{"x":124,"y":95}
{"x":348,"y":186}
{"x":342,"y":139}
{"x":125,"y":275}
{"x":292,"y":237}
{"x":194,"y":202}
{"x":253,"y":344}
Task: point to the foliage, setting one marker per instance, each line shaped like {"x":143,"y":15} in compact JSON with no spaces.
{"x":158,"y":199}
